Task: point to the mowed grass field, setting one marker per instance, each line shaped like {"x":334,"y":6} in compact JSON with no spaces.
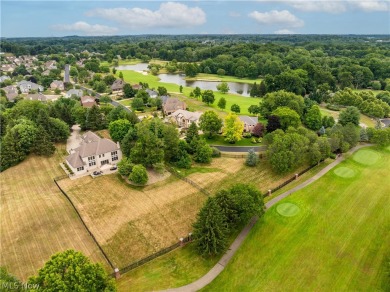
{"x":36,"y":220}
{"x":244,"y":102}
{"x":130,"y":222}
{"x":233,"y":171}
{"x":338,"y":241}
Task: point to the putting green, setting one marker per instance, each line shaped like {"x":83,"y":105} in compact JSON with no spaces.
{"x":366,"y":157}
{"x":345,"y":172}
{"x":287,"y":209}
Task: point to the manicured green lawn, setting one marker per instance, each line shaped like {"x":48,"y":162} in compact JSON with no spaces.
{"x":337,"y":241}
{"x":126,"y":102}
{"x":220,"y":140}
{"x":122,"y":62}
{"x":244,"y":102}
{"x":214,"y":77}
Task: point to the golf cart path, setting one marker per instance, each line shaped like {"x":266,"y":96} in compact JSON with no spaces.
{"x":218,"y":268}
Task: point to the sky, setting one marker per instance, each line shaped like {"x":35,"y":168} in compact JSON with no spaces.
{"x":93,"y":18}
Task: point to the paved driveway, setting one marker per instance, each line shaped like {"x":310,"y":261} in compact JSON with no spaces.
{"x":75,"y":139}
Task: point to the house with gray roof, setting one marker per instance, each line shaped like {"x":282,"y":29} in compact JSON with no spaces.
{"x":26,"y":86}
{"x":4,"y":77}
{"x":76,"y":92}
{"x":184,"y":118}
{"x":152,"y":93}
{"x":94,"y":153}
{"x":249,"y":122}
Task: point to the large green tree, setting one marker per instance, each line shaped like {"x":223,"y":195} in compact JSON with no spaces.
{"x":272,"y":101}
{"x":208,"y":97}
{"x":313,"y":119}
{"x":350,"y":115}
{"x":72,"y":271}
{"x":210,"y":122}
{"x":118,"y":129}
{"x":210,"y":231}
{"x":287,"y":117}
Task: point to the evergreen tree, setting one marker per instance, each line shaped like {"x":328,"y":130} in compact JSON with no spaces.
{"x":94,"y":119}
{"x":210,"y":231}
{"x":43,"y":145}
{"x":252,"y":158}
{"x":192,"y":133}
{"x":262,"y":89}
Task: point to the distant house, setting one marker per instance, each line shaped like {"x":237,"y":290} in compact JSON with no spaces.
{"x":136,"y":86}
{"x":56,"y":84}
{"x":249,"y":122}
{"x":152,"y":93}
{"x":184,"y":119}
{"x":4,"y":77}
{"x":8,"y":67}
{"x":11,"y":92}
{"x":88,"y":101}
{"x":93,"y":153}
{"x":118,"y":85}
{"x":173,"y":104}
{"x":46,"y":73}
{"x":50,"y":65}
{"x":66,"y":74}
{"x":26,"y":86}
{"x":76,"y":92}
{"x":36,"y":96}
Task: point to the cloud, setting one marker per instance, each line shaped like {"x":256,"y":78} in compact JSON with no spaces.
{"x":334,"y":6}
{"x":86,"y":28}
{"x":371,"y":6}
{"x":169,"y":15}
{"x":284,"y":31}
{"x":275,"y":17}
{"x":318,"y":6}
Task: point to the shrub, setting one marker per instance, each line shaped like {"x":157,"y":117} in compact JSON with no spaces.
{"x":125,"y":167}
{"x":159,"y":167}
{"x":139,"y":175}
{"x":247,"y":135}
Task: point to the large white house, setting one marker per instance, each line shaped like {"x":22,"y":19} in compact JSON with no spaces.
{"x":93,"y":153}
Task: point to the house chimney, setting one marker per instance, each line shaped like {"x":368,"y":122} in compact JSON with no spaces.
{"x":117,"y":144}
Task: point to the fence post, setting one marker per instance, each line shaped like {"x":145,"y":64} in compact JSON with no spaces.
{"x":269,"y":192}
{"x":296,"y":176}
{"x":117,"y":273}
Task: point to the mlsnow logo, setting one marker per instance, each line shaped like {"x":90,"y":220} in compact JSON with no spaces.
{"x":17,"y":286}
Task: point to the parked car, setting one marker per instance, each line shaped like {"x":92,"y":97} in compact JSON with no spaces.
{"x":97,"y":172}
{"x":113,"y":168}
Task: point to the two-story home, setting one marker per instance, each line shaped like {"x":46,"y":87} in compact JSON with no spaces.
{"x":249,"y":122}
{"x":184,"y":119}
{"x":26,"y":86}
{"x":170,"y":105}
{"x":93,"y":153}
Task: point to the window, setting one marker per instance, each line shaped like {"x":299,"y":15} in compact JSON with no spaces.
{"x":114,"y":155}
{"x":91,"y":161}
{"x":105,"y":162}
{"x":80,"y":168}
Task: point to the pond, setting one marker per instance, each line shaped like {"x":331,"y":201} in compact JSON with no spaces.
{"x":179,"y":79}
